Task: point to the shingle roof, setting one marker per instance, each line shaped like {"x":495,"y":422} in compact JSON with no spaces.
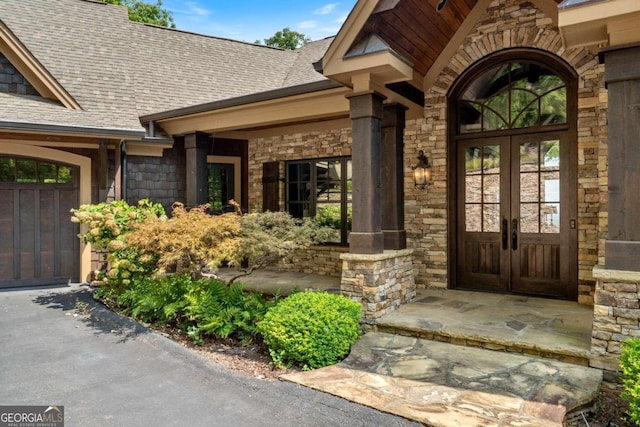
{"x":118,"y":70}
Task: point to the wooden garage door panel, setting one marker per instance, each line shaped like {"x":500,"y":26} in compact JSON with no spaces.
{"x":38,"y":241}
{"x":67,"y":242}
{"x":27,"y":234}
{"x":48,"y":219}
{"x":6,"y":234}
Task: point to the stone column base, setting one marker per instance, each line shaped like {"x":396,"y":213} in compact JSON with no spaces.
{"x":616,"y":312}
{"x":381,"y":282}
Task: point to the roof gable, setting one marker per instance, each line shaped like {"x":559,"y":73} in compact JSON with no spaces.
{"x":32,"y":70}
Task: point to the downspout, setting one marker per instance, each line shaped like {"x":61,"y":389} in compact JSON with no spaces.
{"x":123,"y":162}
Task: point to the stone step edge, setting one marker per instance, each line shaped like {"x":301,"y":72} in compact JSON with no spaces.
{"x":489,"y":343}
{"x":381,"y":392}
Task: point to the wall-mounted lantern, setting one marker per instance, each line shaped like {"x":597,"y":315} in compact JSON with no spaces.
{"x":422,"y":171}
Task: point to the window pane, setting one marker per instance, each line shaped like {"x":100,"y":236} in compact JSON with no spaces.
{"x":299,"y":210}
{"x":47,"y":173}
{"x":550,"y":155}
{"x":65,"y":175}
{"x":491,"y":159}
{"x":529,"y":156}
{"x":473,"y":218}
{"x":550,"y":218}
{"x":26,"y":170}
{"x":513,"y":95}
{"x":491,"y":189}
{"x":7,"y":170}
{"x":529,"y":187}
{"x":529,"y":218}
{"x":473,"y":161}
{"x":553,"y":107}
{"x":550,"y":187}
{"x":491,"y":218}
{"x":473,"y":189}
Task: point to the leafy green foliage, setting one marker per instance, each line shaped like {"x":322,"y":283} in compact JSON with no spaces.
{"x":222,"y":311}
{"x":330,"y":216}
{"x":287,"y":39}
{"x":311,"y":329}
{"x":147,"y":13}
{"x":200,"y":307}
{"x":630,"y":365}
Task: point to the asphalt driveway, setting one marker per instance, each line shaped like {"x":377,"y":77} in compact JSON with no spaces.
{"x":108,"y":371}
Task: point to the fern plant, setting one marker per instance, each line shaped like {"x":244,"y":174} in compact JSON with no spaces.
{"x":222,"y":311}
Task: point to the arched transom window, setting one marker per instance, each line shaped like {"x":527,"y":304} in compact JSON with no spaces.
{"x":512,"y":96}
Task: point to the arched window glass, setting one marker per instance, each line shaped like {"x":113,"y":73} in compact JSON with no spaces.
{"x":511,"y":96}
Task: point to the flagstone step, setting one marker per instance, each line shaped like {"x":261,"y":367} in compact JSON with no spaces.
{"x":546,"y":328}
{"x":442,"y":384}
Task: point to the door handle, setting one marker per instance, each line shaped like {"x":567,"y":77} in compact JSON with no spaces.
{"x":514,"y":234}
{"x":505,"y":234}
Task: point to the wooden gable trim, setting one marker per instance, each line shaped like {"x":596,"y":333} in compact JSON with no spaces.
{"x":32,"y":70}
{"x":348,"y":33}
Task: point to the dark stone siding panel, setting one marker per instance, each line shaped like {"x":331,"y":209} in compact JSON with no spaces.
{"x":160,"y":179}
{"x":11,"y":81}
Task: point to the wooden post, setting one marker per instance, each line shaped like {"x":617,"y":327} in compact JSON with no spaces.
{"x":392,"y":174}
{"x":196,"y":145}
{"x":622,"y":75}
{"x":366,"y":113}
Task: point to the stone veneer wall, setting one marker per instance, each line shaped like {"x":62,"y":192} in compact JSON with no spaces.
{"x":381,"y":282}
{"x":507,"y":24}
{"x":323,"y":260}
{"x":616,"y":315}
{"x":298,"y":146}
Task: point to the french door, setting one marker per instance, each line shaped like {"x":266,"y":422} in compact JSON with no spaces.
{"x":516,"y":214}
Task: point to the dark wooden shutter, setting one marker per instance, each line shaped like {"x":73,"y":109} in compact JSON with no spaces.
{"x":270,"y":186}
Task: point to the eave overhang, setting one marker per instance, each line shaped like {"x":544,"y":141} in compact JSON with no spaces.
{"x":599,"y":23}
{"x":66,"y":130}
{"x":324,"y":100}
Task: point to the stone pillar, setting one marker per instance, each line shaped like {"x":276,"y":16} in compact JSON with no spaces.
{"x":616,"y":314}
{"x":392,"y":174}
{"x":366,"y":113}
{"x":381,"y":282}
{"x":622,"y":75}
{"x":196,"y":145}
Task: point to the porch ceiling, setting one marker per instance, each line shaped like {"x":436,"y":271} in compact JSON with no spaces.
{"x":421,"y":33}
{"x":415,"y":29}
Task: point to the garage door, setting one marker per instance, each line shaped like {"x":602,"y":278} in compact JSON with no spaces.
{"x":38,"y":242}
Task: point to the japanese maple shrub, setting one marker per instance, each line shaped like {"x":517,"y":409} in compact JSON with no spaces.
{"x":311,"y":329}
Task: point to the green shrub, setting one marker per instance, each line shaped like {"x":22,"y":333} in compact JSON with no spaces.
{"x":630,"y":365}
{"x":311,"y":329}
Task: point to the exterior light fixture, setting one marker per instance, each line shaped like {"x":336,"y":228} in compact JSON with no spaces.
{"x":422,"y":171}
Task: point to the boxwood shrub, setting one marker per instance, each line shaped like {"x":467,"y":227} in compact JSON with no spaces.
{"x":311,"y":329}
{"x":630,"y":365}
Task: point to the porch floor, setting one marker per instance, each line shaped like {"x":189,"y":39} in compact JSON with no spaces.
{"x":520,"y":324}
